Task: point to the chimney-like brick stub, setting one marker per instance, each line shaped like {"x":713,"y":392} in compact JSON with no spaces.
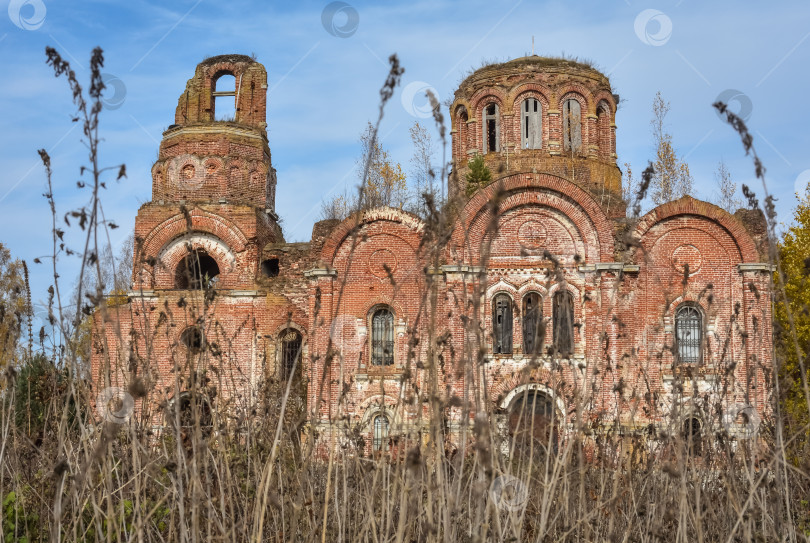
{"x":202,"y":159}
{"x":196,"y":104}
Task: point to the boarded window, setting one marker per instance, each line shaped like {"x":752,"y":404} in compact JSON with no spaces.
{"x":563,"y":317}
{"x":502,"y":324}
{"x":380,"y":426}
{"x":492,"y":129}
{"x":530,"y":124}
{"x":688,"y":334}
{"x":382,"y":337}
{"x":572,"y":125}
{"x":533,"y":328}
{"x":290,"y":353}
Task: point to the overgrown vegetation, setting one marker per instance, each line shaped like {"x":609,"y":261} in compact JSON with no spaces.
{"x":479,"y":175}
{"x":246,"y":469}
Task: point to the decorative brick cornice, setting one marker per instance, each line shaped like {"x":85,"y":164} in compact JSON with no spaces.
{"x":315,"y":273}
{"x":755,"y":267}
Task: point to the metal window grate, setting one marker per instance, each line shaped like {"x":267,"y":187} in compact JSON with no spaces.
{"x":688,"y":334}
{"x":533,"y":329}
{"x":382,"y":338}
{"x":502,"y":324}
{"x":290,"y":352}
{"x":379,"y":440}
{"x":563,"y":317}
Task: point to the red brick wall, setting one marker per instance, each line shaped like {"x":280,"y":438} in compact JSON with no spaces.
{"x":537,"y":228}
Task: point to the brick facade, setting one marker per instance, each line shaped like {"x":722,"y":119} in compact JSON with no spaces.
{"x":375,"y":285}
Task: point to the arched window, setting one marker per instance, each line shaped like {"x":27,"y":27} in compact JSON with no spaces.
{"x":693,"y":435}
{"x":502,"y":324}
{"x":603,"y":131}
{"x":531,"y":124}
{"x":189,"y":411}
{"x":534,"y":330}
{"x":197,"y":270}
{"x":563,"y":317}
{"x":382,"y":337}
{"x":290,"y":352}
{"x":192,"y":337}
{"x":492,"y":129}
{"x":531,"y":418}
{"x":688,"y":334}
{"x":380,"y":425}
{"x":572,"y":125}
{"x":223,"y":107}
{"x":462,"y":129}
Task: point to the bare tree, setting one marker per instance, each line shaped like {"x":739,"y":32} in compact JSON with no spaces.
{"x":672,"y":179}
{"x":727,"y":188}
{"x":423,"y":176}
{"x":630,"y":185}
{"x":385,"y":185}
{"x":337,"y":207}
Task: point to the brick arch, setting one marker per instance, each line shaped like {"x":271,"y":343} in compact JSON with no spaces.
{"x":502,"y":286}
{"x":690,"y":206}
{"x":460,"y":131}
{"x":373,"y":304}
{"x":457,"y":105}
{"x":532,"y":286}
{"x":501,"y":388}
{"x":353,"y":224}
{"x":546,"y":94}
{"x":201,"y":221}
{"x":477,"y":99}
{"x":582,"y":209}
{"x":605,"y":96}
{"x":171,"y":255}
{"x":510,"y":398}
{"x":566,"y":91}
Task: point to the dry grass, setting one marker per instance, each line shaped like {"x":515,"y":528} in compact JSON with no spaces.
{"x":238,"y":470}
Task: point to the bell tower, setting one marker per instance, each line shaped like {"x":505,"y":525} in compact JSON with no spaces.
{"x":217,"y":148}
{"x":213,"y":184}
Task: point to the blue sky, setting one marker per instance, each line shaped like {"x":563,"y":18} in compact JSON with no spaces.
{"x":324,"y":79}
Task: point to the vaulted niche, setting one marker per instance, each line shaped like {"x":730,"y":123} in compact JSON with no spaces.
{"x":197,"y":270}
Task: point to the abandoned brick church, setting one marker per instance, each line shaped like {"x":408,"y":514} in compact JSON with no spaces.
{"x":543,"y":291}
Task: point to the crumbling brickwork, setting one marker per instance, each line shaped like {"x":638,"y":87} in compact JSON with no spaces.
{"x":674,"y":300}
